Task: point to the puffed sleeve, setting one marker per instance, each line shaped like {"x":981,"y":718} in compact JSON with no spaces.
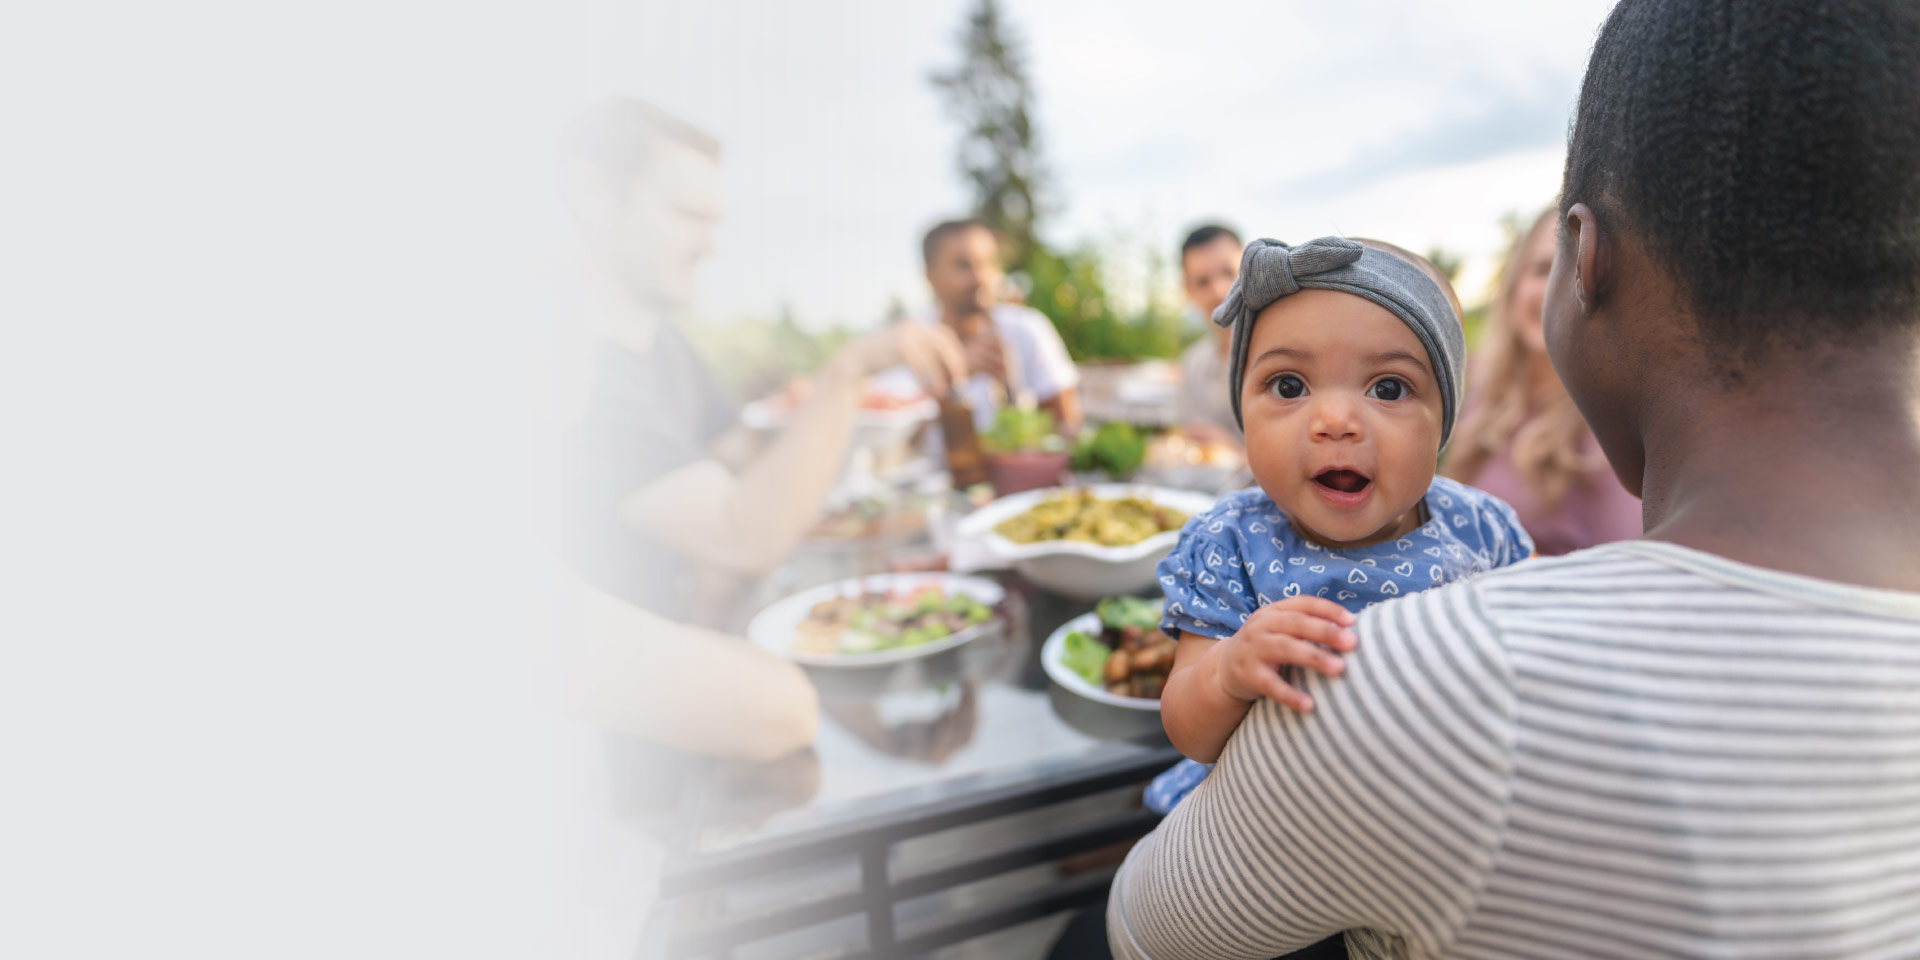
{"x":1507,"y":541}
{"x":1204,"y":581}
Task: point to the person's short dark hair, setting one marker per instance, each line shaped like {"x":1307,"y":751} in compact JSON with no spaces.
{"x":930,"y":244}
{"x":1203,"y":235}
{"x":619,"y":136}
{"x":1767,"y":153}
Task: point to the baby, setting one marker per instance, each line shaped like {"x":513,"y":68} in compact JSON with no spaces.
{"x":1347,"y":370}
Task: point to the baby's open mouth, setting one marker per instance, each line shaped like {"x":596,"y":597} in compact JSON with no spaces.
{"x":1345,"y":481}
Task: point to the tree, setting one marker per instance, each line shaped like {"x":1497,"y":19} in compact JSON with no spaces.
{"x":1446,"y":261}
{"x":989,"y":93}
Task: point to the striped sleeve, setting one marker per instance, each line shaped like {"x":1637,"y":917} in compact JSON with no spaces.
{"x":1380,"y":811}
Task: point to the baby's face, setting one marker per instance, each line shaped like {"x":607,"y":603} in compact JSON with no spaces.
{"x":1342,"y":416}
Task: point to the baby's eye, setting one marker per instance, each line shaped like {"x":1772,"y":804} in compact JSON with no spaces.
{"x":1389,"y":389}
{"x":1287,"y":386}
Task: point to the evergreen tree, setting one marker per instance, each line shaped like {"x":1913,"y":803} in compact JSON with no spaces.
{"x":989,"y":93}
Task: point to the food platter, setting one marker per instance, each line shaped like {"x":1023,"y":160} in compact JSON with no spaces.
{"x":1076,"y":568}
{"x":788,"y":627}
{"x":1054,"y":657}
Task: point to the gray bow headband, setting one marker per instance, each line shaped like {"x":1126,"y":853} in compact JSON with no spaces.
{"x":1270,"y":270}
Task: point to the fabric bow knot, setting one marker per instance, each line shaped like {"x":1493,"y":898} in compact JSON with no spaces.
{"x":1270,"y":270}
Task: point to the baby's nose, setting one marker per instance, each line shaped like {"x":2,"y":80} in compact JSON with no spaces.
{"x":1335,"y":418}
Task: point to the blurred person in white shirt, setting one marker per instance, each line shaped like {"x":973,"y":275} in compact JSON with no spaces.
{"x":1012,"y":350}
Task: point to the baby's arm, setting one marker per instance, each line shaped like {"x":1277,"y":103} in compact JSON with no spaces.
{"x":1214,"y":682}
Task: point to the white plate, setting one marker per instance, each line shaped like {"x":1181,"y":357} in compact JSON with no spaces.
{"x":1051,"y":659}
{"x":775,"y":628}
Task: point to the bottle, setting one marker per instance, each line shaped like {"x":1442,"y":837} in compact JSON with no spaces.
{"x":966,"y":460}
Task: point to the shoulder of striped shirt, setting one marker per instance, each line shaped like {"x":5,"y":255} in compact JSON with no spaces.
{"x":1579,"y":570}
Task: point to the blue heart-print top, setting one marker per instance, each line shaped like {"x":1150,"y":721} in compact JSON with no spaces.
{"x":1243,"y":554}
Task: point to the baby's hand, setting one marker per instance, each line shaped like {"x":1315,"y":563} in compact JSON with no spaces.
{"x":1297,"y":631}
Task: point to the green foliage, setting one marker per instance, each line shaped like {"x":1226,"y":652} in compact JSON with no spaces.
{"x":1016,"y":429}
{"x":1446,"y":261}
{"x":1071,"y":289}
{"x":1116,"y":448}
{"x":990,"y":94}
{"x":1474,"y":323}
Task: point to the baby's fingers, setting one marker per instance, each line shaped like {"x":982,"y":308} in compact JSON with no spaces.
{"x":1317,"y":607}
{"x":1277,"y":651}
{"x":1279,"y":691}
{"x":1304,"y":626}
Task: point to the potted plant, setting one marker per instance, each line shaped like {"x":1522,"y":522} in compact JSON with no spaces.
{"x":1024,"y":451}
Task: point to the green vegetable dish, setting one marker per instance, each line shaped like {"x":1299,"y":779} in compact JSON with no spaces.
{"x":877,"y":621}
{"x":1081,"y":516}
{"x":1017,"y":429}
{"x":1130,"y":657}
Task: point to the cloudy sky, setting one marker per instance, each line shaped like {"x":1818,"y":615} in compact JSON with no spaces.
{"x":1421,"y":123}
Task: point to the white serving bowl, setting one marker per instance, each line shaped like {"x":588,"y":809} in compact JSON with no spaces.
{"x":1083,"y":571}
{"x":775,"y":628}
{"x":1052,"y":658}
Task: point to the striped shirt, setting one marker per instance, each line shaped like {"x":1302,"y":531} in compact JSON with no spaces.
{"x":1638,"y":750}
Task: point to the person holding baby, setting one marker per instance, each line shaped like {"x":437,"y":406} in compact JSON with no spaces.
{"x":1696,"y":744}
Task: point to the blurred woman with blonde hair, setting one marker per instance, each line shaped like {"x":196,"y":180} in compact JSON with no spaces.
{"x":1521,"y":438}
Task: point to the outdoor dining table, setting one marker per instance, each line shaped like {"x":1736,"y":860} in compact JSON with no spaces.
{"x":944,"y":798}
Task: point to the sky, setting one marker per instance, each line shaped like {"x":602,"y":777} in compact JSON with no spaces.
{"x":1419,"y":123}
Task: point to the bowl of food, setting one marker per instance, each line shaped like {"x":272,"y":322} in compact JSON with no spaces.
{"x":878,"y":620}
{"x":1112,"y":665}
{"x":1085,"y":542}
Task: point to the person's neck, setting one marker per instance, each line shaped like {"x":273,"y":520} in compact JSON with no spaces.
{"x":1810,"y":471}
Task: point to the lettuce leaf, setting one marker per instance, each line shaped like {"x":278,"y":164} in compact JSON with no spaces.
{"x":1086,"y":656}
{"x":1118,"y":613}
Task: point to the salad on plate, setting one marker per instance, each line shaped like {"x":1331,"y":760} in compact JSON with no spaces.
{"x":878,"y":620}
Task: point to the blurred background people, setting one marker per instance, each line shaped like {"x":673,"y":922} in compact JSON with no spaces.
{"x":1521,"y":438}
{"x":658,"y":487}
{"x":1012,"y":351}
{"x":1209,"y":263}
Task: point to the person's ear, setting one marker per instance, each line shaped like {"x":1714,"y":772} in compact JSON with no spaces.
{"x":1592,"y":256}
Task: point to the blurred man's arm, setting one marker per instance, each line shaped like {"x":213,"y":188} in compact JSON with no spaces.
{"x":1065,"y":407}
{"x":630,"y":671}
{"x":750,"y":521}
